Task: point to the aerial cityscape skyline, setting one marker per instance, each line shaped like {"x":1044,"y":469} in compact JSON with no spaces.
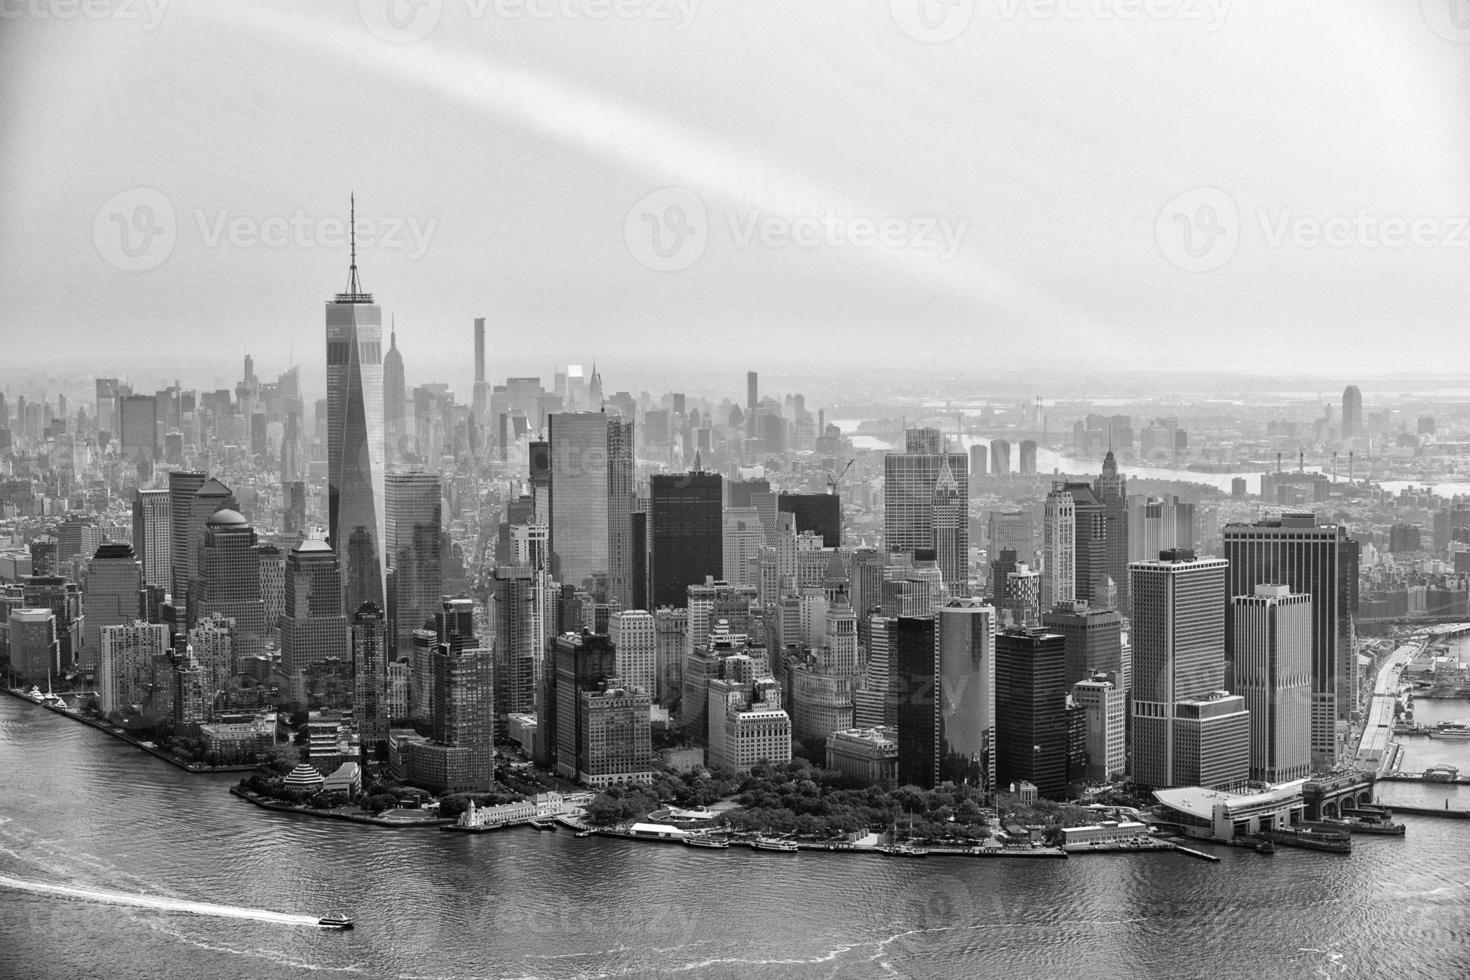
{"x":570,"y":488}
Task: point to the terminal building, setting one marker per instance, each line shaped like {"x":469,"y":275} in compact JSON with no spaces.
{"x":1219,"y":815}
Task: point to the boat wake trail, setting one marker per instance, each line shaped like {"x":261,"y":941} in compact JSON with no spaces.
{"x":160,"y":902}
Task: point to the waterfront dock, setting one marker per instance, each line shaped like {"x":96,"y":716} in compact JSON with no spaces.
{"x":1212,"y":858}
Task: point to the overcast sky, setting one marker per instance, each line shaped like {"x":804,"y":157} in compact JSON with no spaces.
{"x":991,"y":186}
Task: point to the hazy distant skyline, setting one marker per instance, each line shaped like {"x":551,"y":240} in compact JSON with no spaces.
{"x":520,"y":167}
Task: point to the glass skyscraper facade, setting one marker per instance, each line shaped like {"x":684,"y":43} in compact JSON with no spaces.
{"x":355,"y":441}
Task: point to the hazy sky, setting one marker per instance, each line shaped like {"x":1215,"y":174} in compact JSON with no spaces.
{"x":989,"y":186}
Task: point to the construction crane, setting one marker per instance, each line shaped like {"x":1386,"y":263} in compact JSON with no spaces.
{"x":832,"y":481}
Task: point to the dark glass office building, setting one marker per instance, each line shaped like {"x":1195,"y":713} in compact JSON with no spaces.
{"x":685,"y":534}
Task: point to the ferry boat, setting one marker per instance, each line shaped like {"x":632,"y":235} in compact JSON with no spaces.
{"x":334,"y":920}
{"x":1319,"y":838}
{"x":1365,"y":825}
{"x":772,"y":844}
{"x":1451,"y":729}
{"x":906,"y":850}
{"x":696,"y":840}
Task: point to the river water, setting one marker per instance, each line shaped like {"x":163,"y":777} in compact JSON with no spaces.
{"x":81,"y":810}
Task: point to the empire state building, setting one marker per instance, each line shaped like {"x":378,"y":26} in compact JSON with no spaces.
{"x":355,"y":439}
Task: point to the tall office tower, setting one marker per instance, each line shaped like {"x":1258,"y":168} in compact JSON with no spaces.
{"x":355,"y":440}
{"x":747,"y":722}
{"x":634,"y":636}
{"x":138,"y":438}
{"x":914,"y":661}
{"x":920,"y":484}
{"x":1058,"y":549}
{"x":454,"y":623}
{"x":752,"y":398}
{"x":395,"y":400}
{"x":1000,"y":457}
{"x":1026,"y":464}
{"x":1273,"y":672}
{"x":1352,"y":412}
{"x":590,"y":495}
{"x":742,"y":539}
{"x":209,"y":498}
{"x":412,"y":528}
{"x":951,"y":531}
{"x":820,"y":513}
{"x":583,"y":663}
{"x":272,"y":587}
{"x":134,"y":669}
{"x":212,"y":640}
{"x":1157,"y":525}
{"x":313,"y":626}
{"x":1321,"y":561}
{"x":35,"y":645}
{"x":965,"y":737}
{"x":1178,"y":641}
{"x":621,"y":502}
{"x":520,"y":638}
{"x":1111,"y":489}
{"x":1105,"y":739}
{"x":979,"y":461}
{"x":107,"y":389}
{"x":670,"y":629}
{"x":370,"y":640}
{"x":462,"y":711}
{"x":1009,"y":530}
{"x":481,"y":404}
{"x":64,"y":600}
{"x":293,"y":509}
{"x":685,"y":534}
{"x":616,"y":736}
{"x":876,"y":703}
{"x":152,"y":524}
{"x":1094,"y":639}
{"x":181,"y":489}
{"x":1031,"y":710}
{"x":110,"y":597}
{"x":1089,"y":561}
{"x":228,"y":580}
{"x":191,"y":702}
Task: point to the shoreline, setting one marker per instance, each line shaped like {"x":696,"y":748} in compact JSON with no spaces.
{"x":123,"y":736}
{"x":266,"y":803}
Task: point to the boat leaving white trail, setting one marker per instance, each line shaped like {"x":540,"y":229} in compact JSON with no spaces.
{"x":160,"y":902}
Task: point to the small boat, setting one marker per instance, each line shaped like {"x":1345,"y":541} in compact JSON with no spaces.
{"x":907,"y":850}
{"x":772,"y":844}
{"x":334,"y":920}
{"x":586,"y":833}
{"x":694,"y":840}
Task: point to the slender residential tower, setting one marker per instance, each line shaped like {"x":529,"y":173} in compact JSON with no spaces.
{"x":355,"y":438}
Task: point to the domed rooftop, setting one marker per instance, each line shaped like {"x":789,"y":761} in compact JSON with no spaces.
{"x":226,"y":518}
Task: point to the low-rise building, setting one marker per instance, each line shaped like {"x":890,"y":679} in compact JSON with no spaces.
{"x":1106,"y":832}
{"x":869,"y":755}
{"x":1220,"y":815}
